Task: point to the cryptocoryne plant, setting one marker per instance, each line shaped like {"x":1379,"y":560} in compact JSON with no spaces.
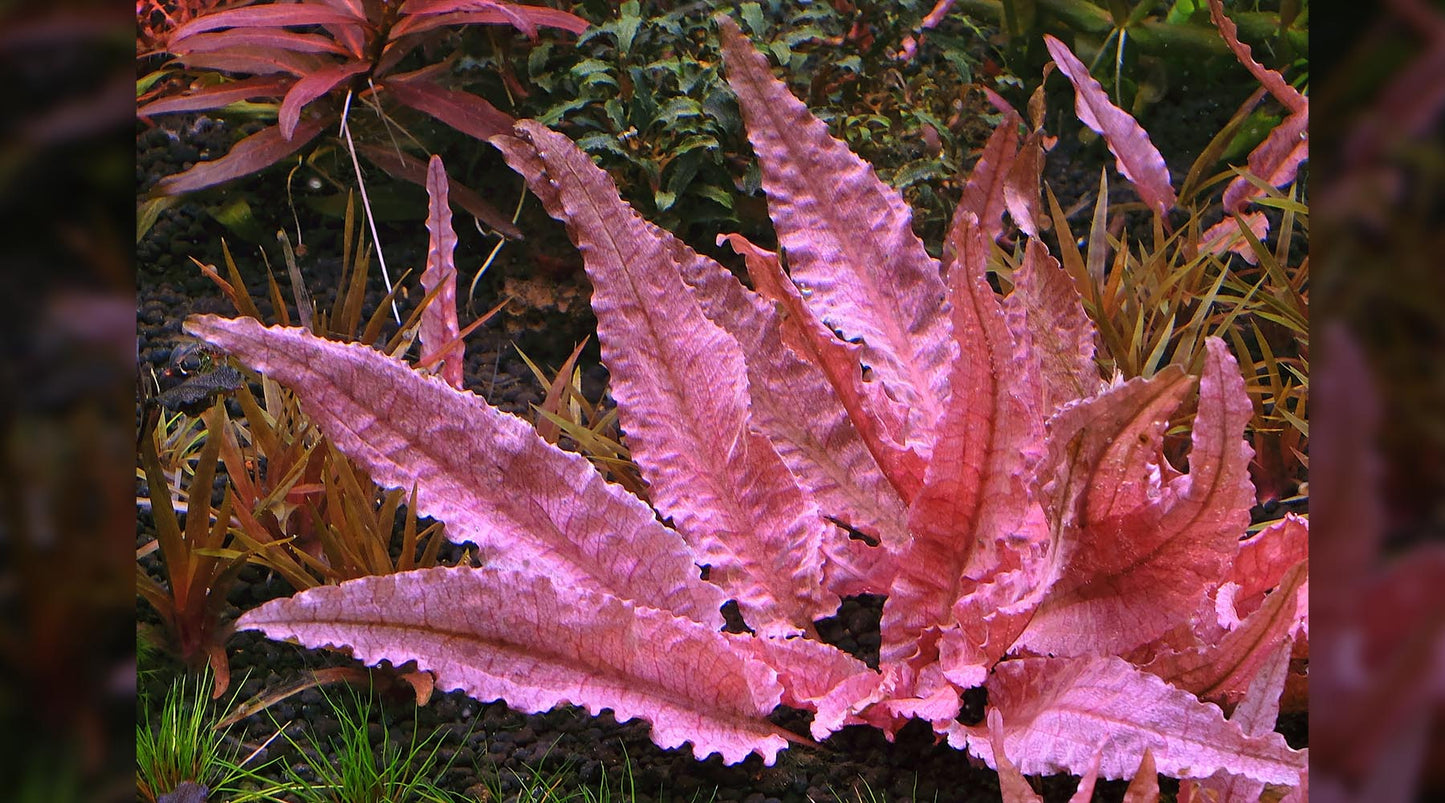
{"x":863,"y":419}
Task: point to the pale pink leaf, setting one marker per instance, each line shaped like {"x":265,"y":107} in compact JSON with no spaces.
{"x":1269,"y":79}
{"x":1143,"y":550}
{"x":439,"y":326}
{"x":1255,"y":715}
{"x":1021,"y":185}
{"x":1276,"y":160}
{"x":1226,"y":236}
{"x":1137,"y":158}
{"x":260,"y":150}
{"x":1053,"y":334}
{"x":1058,"y":711}
{"x":538,"y":644}
{"x":311,"y":87}
{"x":821,"y":678}
{"x":485,"y":473}
{"x":975,"y":501}
{"x":1012,"y":785}
{"x":680,"y":382}
{"x":848,"y":237}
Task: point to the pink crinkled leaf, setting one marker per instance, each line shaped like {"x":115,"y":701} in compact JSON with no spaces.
{"x":1143,"y":551}
{"x":1138,"y":160}
{"x":267,"y":16}
{"x":983,"y":193}
{"x":1058,"y":711}
{"x":792,"y":401}
{"x":1012,"y":785}
{"x":311,"y":87}
{"x":260,"y":150}
{"x":879,"y":420}
{"x":821,"y":678}
{"x":538,"y":644}
{"x":527,"y":504}
{"x":463,"y":111}
{"x":1276,"y":160}
{"x":1264,"y":558}
{"x":439,"y":327}
{"x":680,"y":382}
{"x":215,"y":97}
{"x":1269,"y":79}
{"x":1221,"y":669}
{"x":1255,"y":715}
{"x":1054,"y":335}
{"x":1226,"y":236}
{"x":848,"y":237}
{"x":975,"y":501}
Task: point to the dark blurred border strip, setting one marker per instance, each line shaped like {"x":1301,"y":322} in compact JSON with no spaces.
{"x":67,"y":393}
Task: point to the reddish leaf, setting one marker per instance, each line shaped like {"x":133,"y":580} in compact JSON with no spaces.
{"x":215,"y":97}
{"x":1142,"y":551}
{"x":983,"y":194}
{"x":275,"y":15}
{"x":406,"y":168}
{"x":723,"y":484}
{"x":1276,"y":160}
{"x":463,"y":111}
{"x":439,"y":326}
{"x":260,"y":150}
{"x":1255,"y":715}
{"x":563,"y":519}
{"x":538,"y":644}
{"x":312,"y":87}
{"x":1145,"y":786}
{"x":1138,"y":160}
{"x":1269,"y":79}
{"x":1058,"y":711}
{"x":254,"y":60}
{"x":854,"y":256}
{"x":259,"y":38}
{"x":1021,"y":185}
{"x":424,"y":15}
{"x":1264,"y":558}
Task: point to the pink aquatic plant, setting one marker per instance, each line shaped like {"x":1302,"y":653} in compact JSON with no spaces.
{"x":863,"y":419}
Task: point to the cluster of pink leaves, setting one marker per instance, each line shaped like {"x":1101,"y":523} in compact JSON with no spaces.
{"x":343,"y":45}
{"x":1014,"y":508}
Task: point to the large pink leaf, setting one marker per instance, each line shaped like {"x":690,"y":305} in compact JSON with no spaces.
{"x":821,"y":678}
{"x":311,"y":87}
{"x":681,"y":387}
{"x":439,"y":326}
{"x":1138,"y":159}
{"x":792,"y":401}
{"x":403,"y":166}
{"x":975,"y":500}
{"x":538,"y":644}
{"x":1053,"y":334}
{"x":1276,"y":160}
{"x":879,"y":420}
{"x":215,"y":97}
{"x":1255,"y":715}
{"x":1269,"y":79}
{"x":273,"y":15}
{"x":260,"y":150}
{"x":527,"y":504}
{"x":848,"y":238}
{"x":463,"y":111}
{"x":1057,"y":712}
{"x":1264,"y":558}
